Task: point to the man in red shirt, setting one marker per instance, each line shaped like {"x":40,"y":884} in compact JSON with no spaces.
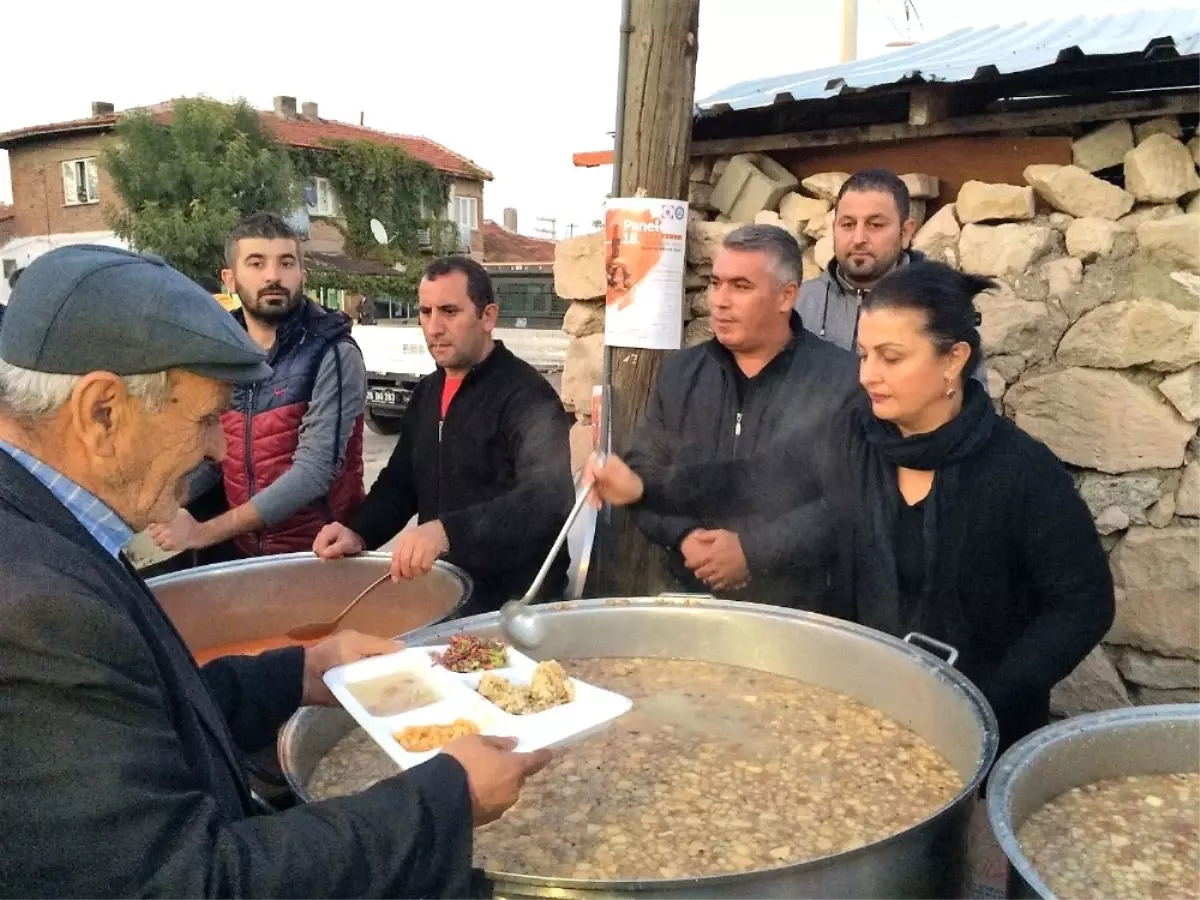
{"x":483,"y":456}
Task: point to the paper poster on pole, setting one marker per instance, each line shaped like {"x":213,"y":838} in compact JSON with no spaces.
{"x":644,"y":265}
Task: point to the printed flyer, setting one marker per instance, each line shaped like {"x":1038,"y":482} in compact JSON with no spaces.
{"x":644,"y":241}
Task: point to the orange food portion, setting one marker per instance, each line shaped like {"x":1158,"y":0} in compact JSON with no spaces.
{"x":423,"y":738}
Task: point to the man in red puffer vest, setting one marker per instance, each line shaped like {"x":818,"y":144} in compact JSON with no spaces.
{"x":294,"y":443}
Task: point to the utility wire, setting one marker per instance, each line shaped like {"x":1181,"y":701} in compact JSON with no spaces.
{"x":899,"y":32}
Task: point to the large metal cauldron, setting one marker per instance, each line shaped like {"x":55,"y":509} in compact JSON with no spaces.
{"x":260,"y":599}
{"x":1141,"y":740}
{"x":914,"y":687}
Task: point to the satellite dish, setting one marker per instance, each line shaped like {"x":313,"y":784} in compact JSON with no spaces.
{"x":378,"y":231}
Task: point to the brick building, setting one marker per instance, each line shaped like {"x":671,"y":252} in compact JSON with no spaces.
{"x":61,"y":191}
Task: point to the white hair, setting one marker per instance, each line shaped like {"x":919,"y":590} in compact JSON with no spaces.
{"x":37,"y":395}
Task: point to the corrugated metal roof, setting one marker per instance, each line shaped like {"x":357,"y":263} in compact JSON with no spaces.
{"x":974,"y":53}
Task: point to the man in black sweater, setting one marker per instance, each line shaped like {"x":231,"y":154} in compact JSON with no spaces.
{"x":761,"y":375}
{"x":483,"y":457}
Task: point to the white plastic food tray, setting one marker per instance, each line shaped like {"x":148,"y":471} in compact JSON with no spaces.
{"x":591,"y":709}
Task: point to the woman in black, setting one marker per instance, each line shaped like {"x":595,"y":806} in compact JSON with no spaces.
{"x":952,"y":521}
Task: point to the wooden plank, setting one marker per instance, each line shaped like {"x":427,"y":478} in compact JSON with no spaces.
{"x":592,"y":158}
{"x":927,"y":105}
{"x":1159,"y":104}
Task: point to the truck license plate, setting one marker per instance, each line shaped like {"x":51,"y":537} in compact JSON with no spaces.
{"x":380,"y":395}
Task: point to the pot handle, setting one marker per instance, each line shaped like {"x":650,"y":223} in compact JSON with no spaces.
{"x":937,"y":648}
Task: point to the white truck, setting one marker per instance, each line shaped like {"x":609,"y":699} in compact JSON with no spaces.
{"x":397,"y":358}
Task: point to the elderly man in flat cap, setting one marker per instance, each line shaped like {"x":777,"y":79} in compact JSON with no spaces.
{"x":120,"y":760}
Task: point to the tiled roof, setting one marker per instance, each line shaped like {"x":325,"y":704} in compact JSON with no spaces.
{"x":309,"y":133}
{"x":297,"y":132}
{"x":347,"y":265}
{"x":503,"y":246}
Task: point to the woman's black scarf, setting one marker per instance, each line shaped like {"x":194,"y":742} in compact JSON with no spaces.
{"x":879,"y":449}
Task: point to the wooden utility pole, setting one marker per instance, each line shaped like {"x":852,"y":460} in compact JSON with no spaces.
{"x":849,"y":34}
{"x":658,"y":81}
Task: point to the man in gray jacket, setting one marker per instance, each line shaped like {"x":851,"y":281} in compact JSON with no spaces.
{"x":872,"y":235}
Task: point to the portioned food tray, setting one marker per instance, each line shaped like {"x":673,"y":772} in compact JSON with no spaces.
{"x":409,"y":690}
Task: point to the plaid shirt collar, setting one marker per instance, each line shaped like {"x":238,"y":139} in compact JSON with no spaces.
{"x":93,"y":514}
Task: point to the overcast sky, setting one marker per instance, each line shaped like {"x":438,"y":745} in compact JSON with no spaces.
{"x":516,"y":85}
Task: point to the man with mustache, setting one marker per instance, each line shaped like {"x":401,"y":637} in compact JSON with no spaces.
{"x":483,"y":460}
{"x":294,"y":446}
{"x":761,"y":374}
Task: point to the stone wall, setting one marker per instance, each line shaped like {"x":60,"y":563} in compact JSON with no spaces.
{"x":1093,"y":345}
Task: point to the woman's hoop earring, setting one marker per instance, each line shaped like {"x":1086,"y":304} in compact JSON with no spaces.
{"x":950,"y":394}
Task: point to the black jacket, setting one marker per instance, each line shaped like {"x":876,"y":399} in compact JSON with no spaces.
{"x":120,"y":761}
{"x":496,"y":473}
{"x":1033,"y":582}
{"x":704,"y":409}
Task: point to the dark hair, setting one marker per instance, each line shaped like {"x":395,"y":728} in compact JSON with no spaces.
{"x":879,"y":180}
{"x":266,"y":225}
{"x":946,"y":297}
{"x":14,"y":277}
{"x":479,"y":283}
{"x":779,"y":244}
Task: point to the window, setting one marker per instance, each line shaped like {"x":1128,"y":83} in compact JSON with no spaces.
{"x":321,"y":198}
{"x":7,"y":267}
{"x":465,"y":212}
{"x":81,"y":181}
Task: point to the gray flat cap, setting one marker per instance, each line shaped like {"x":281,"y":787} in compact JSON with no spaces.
{"x":87,"y":308}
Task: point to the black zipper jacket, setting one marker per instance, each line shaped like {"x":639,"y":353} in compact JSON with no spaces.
{"x":496,"y":473}
{"x":703,"y":409}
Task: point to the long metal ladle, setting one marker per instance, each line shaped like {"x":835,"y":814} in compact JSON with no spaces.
{"x":520,"y":624}
{"x":316,"y":630}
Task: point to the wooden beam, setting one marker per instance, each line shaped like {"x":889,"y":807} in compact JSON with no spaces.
{"x":656,"y":127}
{"x":927,"y":105}
{"x":593,"y":158}
{"x":1159,"y":104}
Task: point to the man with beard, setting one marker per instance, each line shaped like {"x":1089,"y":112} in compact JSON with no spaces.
{"x":872,"y":235}
{"x":483,"y":458}
{"x":294,"y":443}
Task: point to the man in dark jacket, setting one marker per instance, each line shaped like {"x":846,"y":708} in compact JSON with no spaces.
{"x":873,"y":230}
{"x":294,"y":443}
{"x":121,"y":762}
{"x":483,"y":458}
{"x":762,"y":374}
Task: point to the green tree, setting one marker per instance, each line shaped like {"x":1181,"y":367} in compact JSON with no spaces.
{"x":186,"y":184}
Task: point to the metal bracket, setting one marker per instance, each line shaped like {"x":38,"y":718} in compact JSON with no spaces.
{"x":944,"y":651}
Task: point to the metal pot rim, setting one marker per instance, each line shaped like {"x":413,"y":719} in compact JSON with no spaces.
{"x":1020,"y":755}
{"x":935,"y":666}
{"x":279,"y":560}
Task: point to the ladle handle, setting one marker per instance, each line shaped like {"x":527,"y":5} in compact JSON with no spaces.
{"x":349,"y":606}
{"x":580,"y":502}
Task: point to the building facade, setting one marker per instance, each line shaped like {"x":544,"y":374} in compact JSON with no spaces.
{"x":62,"y":194}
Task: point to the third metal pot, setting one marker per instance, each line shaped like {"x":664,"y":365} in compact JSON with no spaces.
{"x":1142,"y":740}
